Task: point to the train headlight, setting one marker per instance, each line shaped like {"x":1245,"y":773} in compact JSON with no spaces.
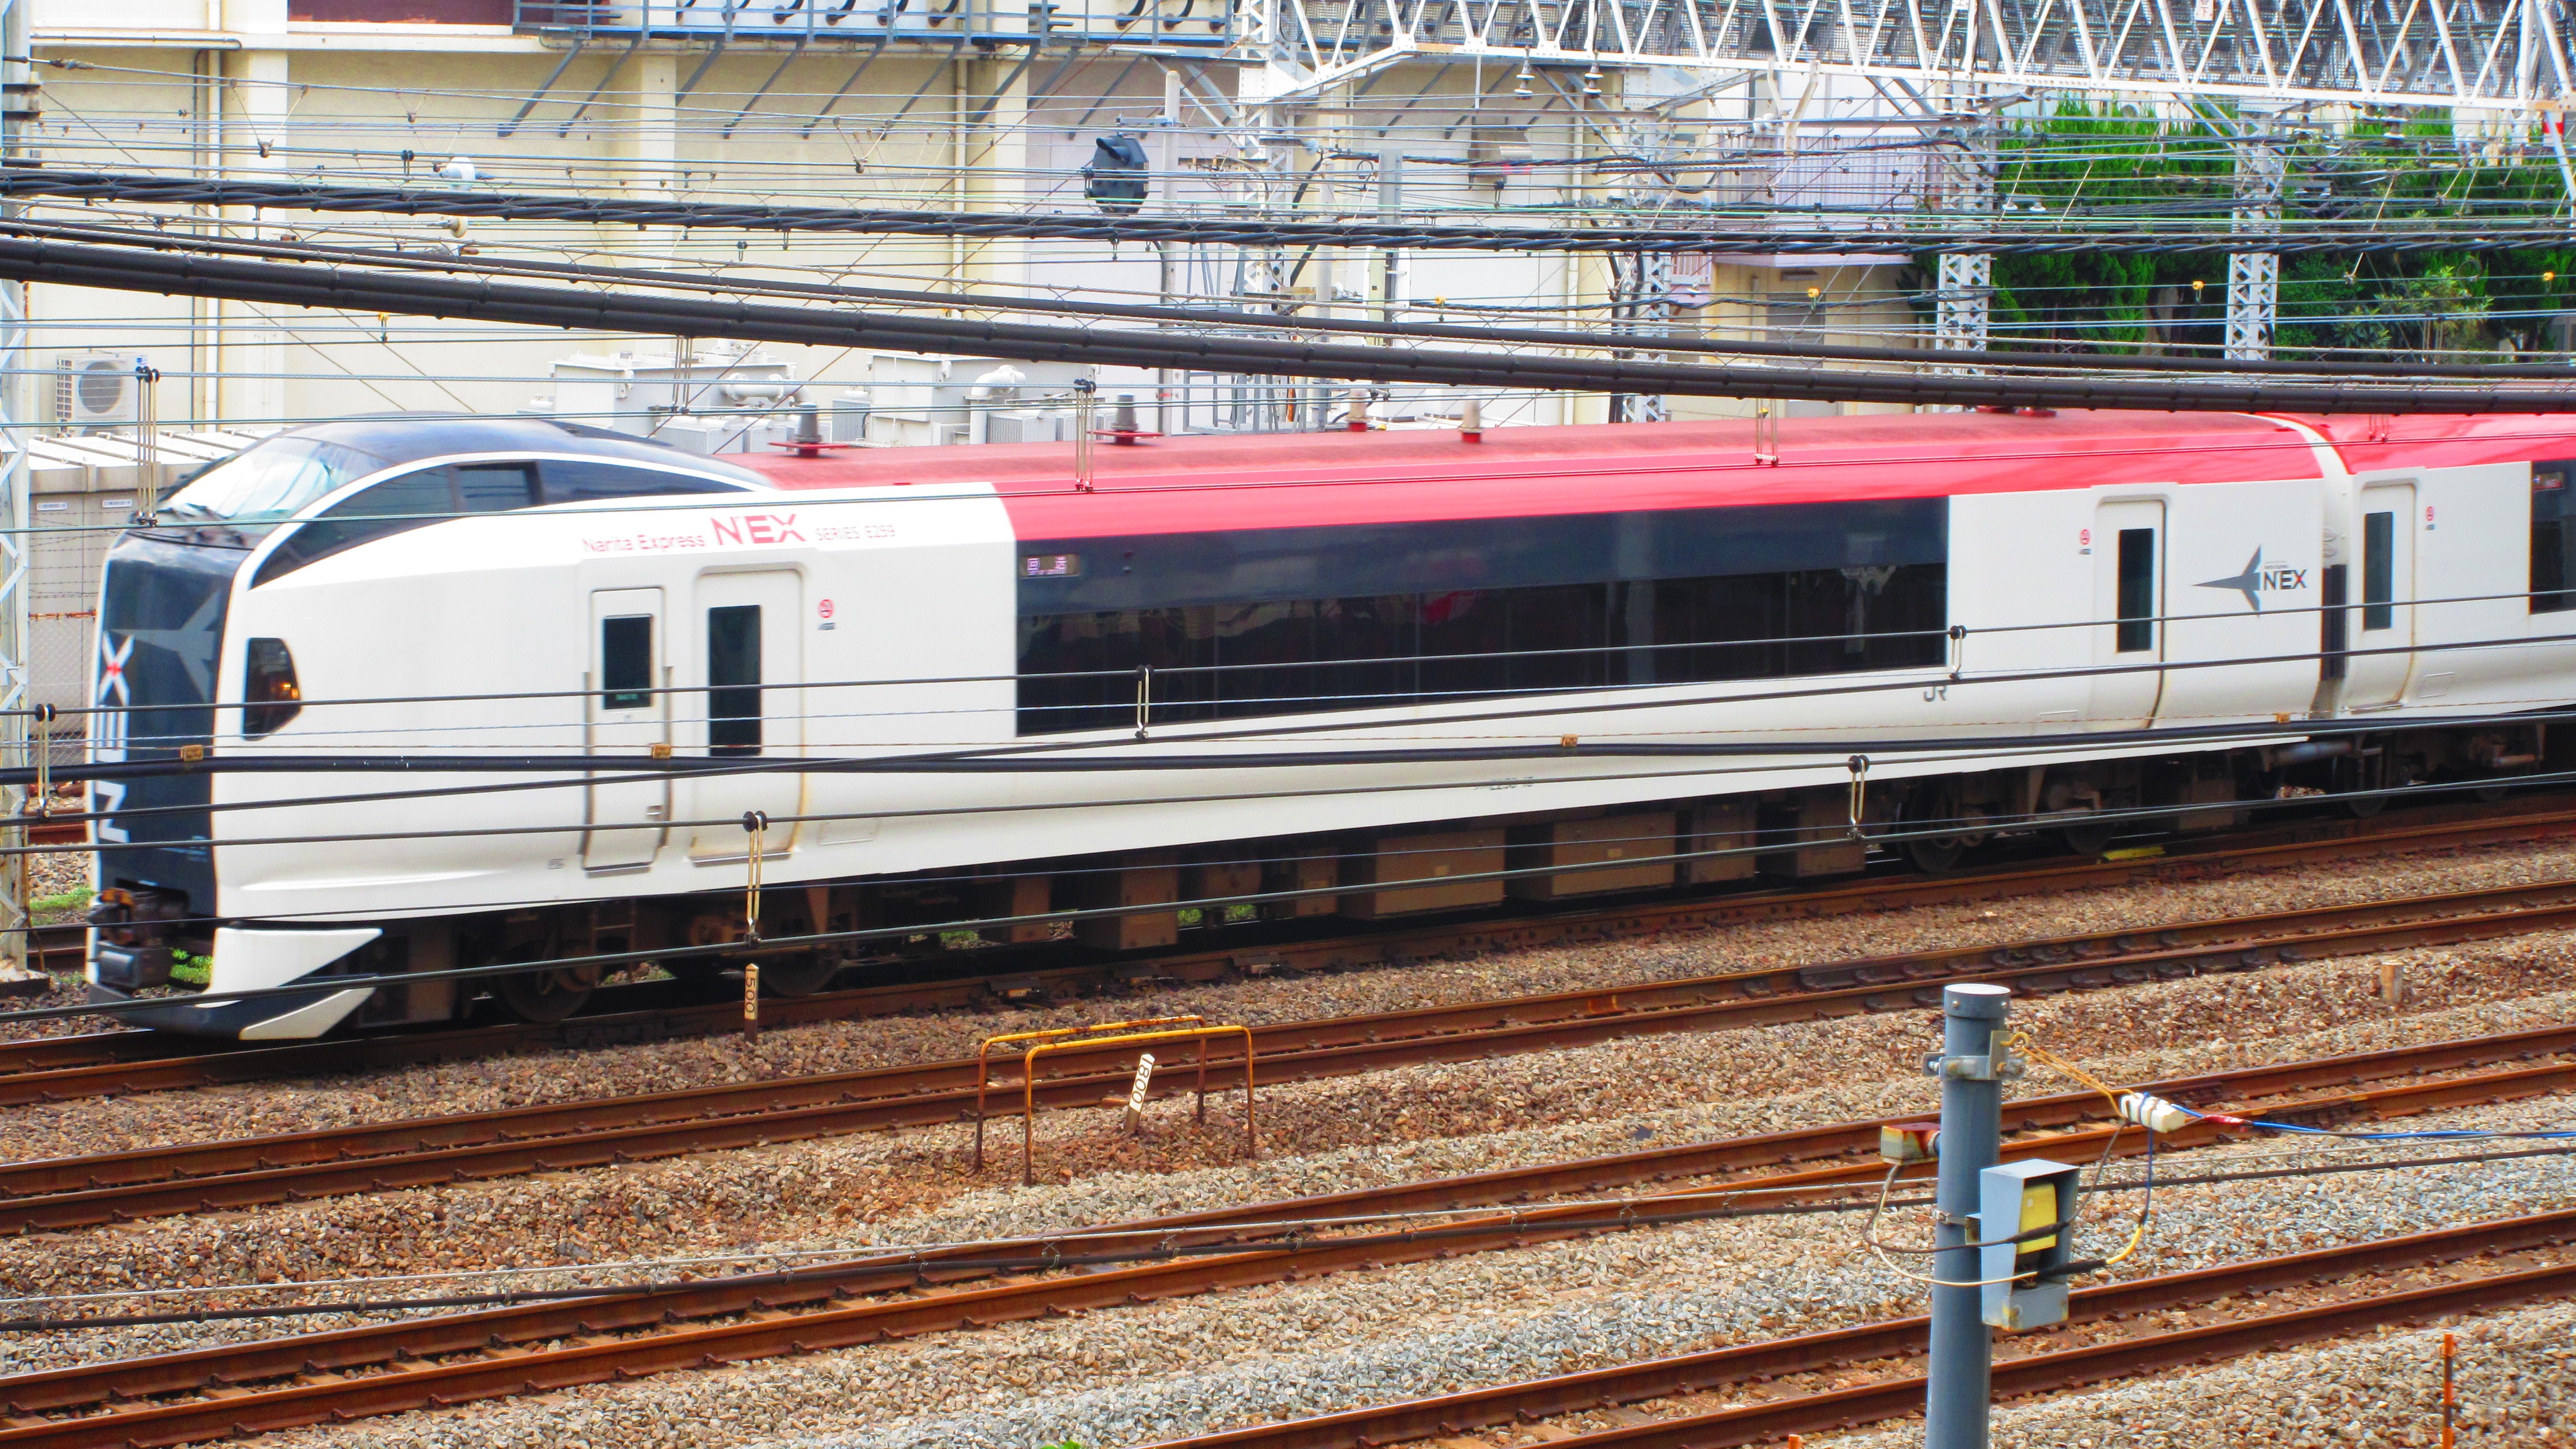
{"x":270,"y":695}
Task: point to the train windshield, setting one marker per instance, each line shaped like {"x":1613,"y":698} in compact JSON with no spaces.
{"x":270,"y":481}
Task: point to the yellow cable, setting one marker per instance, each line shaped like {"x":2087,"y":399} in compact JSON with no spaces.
{"x":2022,"y":1041}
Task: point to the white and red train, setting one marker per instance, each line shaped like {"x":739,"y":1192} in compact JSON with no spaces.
{"x":1366,"y":673}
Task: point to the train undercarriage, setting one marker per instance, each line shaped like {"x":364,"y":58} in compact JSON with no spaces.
{"x":1153,"y":900}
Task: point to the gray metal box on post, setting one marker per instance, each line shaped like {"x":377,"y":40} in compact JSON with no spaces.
{"x":2022,"y":1279}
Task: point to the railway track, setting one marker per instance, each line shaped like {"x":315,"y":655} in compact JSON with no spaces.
{"x":66,"y":1193}
{"x":51,"y":949}
{"x":70,"y":1068}
{"x":1453,"y":1415}
{"x":534,"y":1348}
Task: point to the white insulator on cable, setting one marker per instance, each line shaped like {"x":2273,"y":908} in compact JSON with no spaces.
{"x":2153,"y":1113}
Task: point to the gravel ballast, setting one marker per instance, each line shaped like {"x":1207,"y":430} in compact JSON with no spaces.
{"x":1319,"y":1137}
{"x":1366,"y":1331}
{"x":2516,"y":1378}
{"x":1135,"y":1375}
{"x":298,"y":1105}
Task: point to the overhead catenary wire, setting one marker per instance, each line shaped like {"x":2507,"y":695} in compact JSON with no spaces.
{"x":607,"y":961}
{"x":1293,"y":309}
{"x":1444,"y":471}
{"x":1258,"y":321}
{"x":1957,"y":633}
{"x":1761,"y":841}
{"x":345,"y":287}
{"x":1351,"y":231}
{"x":1115,"y":751}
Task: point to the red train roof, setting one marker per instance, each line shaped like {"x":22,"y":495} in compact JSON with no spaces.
{"x":1205,"y":483}
{"x":2446,"y":440}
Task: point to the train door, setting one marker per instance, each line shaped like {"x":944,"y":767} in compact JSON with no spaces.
{"x":751,"y":658}
{"x":2375,"y":676}
{"x":628,"y":715}
{"x":2128,"y":608}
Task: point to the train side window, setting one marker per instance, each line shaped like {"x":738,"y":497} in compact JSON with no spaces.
{"x":2137,"y":590}
{"x":626,"y":661}
{"x":733,"y":680}
{"x":2553,"y":541}
{"x":1080,"y":671}
{"x":589,"y":482}
{"x":496,"y":487}
{"x":397,"y":505}
{"x":2378,"y":570}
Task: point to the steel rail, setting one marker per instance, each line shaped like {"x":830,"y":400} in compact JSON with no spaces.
{"x":63,"y":1193}
{"x":1537,"y":1399}
{"x":589,"y":1354}
{"x":1363,"y":231}
{"x":2094,"y":1363}
{"x":67,"y":1068}
{"x":57,"y":1194}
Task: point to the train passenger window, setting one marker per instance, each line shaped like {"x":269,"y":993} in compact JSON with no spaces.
{"x":2137,"y":590}
{"x":496,"y":487}
{"x":733,"y":680}
{"x":414,"y":500}
{"x":2378,"y":570}
{"x":1239,"y":661}
{"x":2553,"y":541}
{"x":626,"y":661}
{"x":1243,"y":625}
{"x":590,"y":482}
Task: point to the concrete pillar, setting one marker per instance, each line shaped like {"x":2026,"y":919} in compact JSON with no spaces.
{"x":257,"y":101}
{"x":643,"y":141}
{"x":647,"y":136}
{"x":995,"y":176}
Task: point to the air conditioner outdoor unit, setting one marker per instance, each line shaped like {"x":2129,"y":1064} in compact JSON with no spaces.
{"x":96,"y":390}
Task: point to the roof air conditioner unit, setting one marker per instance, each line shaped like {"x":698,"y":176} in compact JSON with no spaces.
{"x":96,"y":390}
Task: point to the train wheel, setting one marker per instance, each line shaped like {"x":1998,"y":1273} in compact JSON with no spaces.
{"x":798,"y":975}
{"x":2363,"y":807}
{"x":2491,"y":794}
{"x":546,"y":996}
{"x":2090,"y":838}
{"x":1927,"y":809}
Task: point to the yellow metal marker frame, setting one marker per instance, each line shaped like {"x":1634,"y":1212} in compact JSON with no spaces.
{"x":1104,"y":1034}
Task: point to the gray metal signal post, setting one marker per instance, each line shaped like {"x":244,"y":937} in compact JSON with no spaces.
{"x":1972,"y":1067}
{"x":18,"y":739}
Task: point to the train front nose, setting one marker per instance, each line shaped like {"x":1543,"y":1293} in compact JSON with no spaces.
{"x":163,"y":595}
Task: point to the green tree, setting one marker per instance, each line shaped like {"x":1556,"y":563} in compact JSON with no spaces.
{"x":2080,"y":164}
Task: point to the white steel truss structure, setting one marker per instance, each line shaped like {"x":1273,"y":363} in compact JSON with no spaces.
{"x":2465,"y":54}
{"x":2254,"y":278}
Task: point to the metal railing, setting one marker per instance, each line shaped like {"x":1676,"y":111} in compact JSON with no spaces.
{"x":1034,"y":1044}
{"x":1206,"y":23}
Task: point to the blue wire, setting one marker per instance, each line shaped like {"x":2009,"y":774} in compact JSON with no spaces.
{"x":2448,"y":1135}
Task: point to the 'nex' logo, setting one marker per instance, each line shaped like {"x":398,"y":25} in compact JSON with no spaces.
{"x":758,"y":528}
{"x":2261,"y":578}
